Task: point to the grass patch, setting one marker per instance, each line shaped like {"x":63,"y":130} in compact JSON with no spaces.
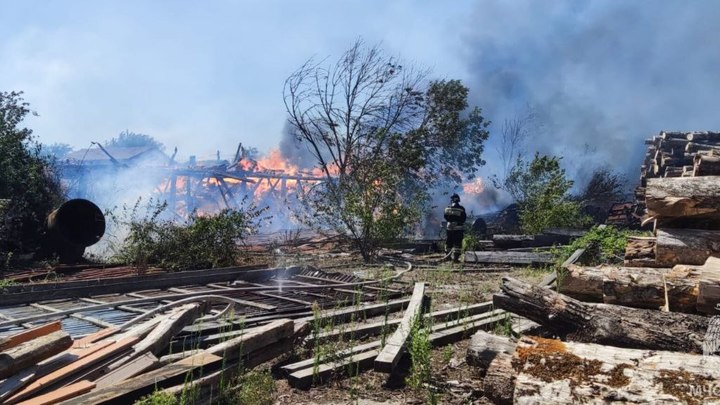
{"x":158,"y":398}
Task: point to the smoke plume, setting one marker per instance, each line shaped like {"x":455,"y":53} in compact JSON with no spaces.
{"x":600,"y":76}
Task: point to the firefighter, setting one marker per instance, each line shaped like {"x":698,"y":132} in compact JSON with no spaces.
{"x":455,"y":217}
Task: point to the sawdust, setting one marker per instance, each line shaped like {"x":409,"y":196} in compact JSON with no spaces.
{"x":549,"y":361}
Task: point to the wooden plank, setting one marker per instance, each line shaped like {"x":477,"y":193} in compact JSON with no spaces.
{"x":362,"y":331}
{"x":18,"y":380}
{"x":345,"y":314}
{"x":393,"y":349}
{"x":31,"y":352}
{"x":89,"y":319}
{"x":28,"y":293}
{"x":504,"y":257}
{"x":169,"y":326}
{"x":133,"y":388}
{"x":125,"y":308}
{"x":128,"y":370}
{"x":72,"y":368}
{"x":258,"y":338}
{"x":289,"y":369}
{"x":8,"y":342}
{"x":357,"y":361}
{"x":283,"y":298}
{"x":94,"y":337}
{"x":61,"y":394}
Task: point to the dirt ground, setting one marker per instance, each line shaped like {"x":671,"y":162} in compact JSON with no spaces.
{"x":452,"y":380}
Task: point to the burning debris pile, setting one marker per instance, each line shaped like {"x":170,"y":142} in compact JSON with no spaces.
{"x":114,"y":175}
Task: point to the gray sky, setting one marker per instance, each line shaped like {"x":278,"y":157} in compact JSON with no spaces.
{"x":601,"y":75}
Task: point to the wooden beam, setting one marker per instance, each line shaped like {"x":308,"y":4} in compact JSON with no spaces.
{"x":362,"y":331}
{"x":504,"y":257}
{"x":127,"y":370}
{"x":72,"y":368}
{"x":27,"y":293}
{"x":395,"y":346}
{"x":134,"y":388}
{"x":8,"y":342}
{"x":355,"y":361}
{"x":61,"y":394}
{"x":31,"y":352}
{"x":89,"y":319}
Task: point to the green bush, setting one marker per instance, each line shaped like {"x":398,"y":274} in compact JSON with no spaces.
{"x":253,"y":388}
{"x":157,"y":398}
{"x":29,"y":186}
{"x":420,"y":349}
{"x":542,"y":190}
{"x":602,"y":245}
{"x":201,"y":242}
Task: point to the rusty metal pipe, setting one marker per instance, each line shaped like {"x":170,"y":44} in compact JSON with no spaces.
{"x":77,"y":224}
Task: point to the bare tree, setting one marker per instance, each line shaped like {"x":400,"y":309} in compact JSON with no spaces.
{"x":380,"y":132}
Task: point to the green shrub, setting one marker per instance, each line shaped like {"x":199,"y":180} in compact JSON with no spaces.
{"x":602,"y":245}
{"x":201,"y":242}
{"x":419,"y":349}
{"x":253,"y":388}
{"x":29,"y":186}
{"x":157,"y":398}
{"x":542,"y":190}
{"x":470,"y":243}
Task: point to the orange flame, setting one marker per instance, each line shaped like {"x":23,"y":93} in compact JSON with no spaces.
{"x":475,"y":187}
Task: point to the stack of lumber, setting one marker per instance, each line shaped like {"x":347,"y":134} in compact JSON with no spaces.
{"x":679,"y":194}
{"x":44,"y":365}
{"x":678,"y":154}
{"x":638,"y":333}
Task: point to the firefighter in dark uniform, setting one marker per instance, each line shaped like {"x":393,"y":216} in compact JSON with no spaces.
{"x":455,"y":217}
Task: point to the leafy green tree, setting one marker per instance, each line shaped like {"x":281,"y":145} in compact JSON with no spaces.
{"x":542,"y":190}
{"x":132,"y":139}
{"x":382,"y":135}
{"x":29,"y":188}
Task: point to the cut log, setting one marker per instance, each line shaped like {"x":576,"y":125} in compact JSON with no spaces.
{"x":683,"y":197}
{"x":649,"y":288}
{"x":582,"y":283}
{"x":703,"y":136}
{"x":33,"y":351}
{"x":685,"y":246}
{"x":633,"y":286}
{"x":640,"y":252}
{"x":532,"y":241}
{"x":8,"y":342}
{"x":485,"y":346}
{"x":550,"y":371}
{"x":395,"y":345}
{"x":603,"y":323}
{"x":705,"y":165}
{"x":709,"y":286}
{"x":520,"y":258}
